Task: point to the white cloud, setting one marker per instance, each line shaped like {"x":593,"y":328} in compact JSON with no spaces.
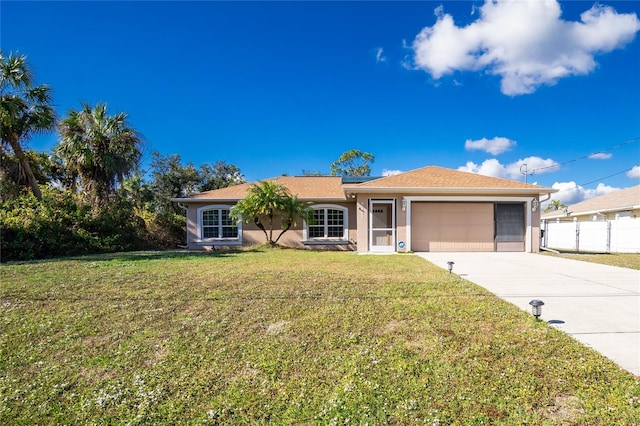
{"x":634,"y":173}
{"x":386,"y":172}
{"x":536,"y":165}
{"x":491,"y":167}
{"x":600,"y":156}
{"x":526,"y":43}
{"x":572,"y":193}
{"x":380,"y":55}
{"x":515,"y":170}
{"x":493,"y":146}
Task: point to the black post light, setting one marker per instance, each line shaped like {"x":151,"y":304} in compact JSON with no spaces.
{"x":536,"y":307}
{"x":450,"y":263}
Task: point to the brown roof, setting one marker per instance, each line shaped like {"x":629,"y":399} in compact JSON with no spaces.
{"x":624,"y":199}
{"x":427,"y":179}
{"x":440,"y":177}
{"x":305,"y":187}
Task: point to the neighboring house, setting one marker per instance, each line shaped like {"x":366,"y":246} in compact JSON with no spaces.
{"x":428,"y":209}
{"x":606,"y":224}
{"x":619,"y":204}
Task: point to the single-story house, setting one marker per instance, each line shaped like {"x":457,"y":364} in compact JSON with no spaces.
{"x":427,"y":209}
{"x":621,"y":204}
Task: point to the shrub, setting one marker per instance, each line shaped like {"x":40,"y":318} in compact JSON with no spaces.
{"x":160,"y":231}
{"x":60,"y":225}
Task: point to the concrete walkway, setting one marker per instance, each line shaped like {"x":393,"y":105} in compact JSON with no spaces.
{"x":598,"y":305}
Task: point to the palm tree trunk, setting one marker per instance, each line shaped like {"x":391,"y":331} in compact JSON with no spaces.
{"x":289,"y":224}
{"x":24,"y":163}
{"x":261,"y":226}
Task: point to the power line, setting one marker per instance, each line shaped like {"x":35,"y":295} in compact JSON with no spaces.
{"x":606,"y":177}
{"x":594,"y":181}
{"x":584,"y":157}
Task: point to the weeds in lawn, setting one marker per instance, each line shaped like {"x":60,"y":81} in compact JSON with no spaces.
{"x":286,"y":337}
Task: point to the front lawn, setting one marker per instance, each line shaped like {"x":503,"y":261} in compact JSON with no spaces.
{"x":623,"y":260}
{"x":286,"y":337}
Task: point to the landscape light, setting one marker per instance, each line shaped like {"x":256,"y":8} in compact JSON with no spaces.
{"x":450,"y":263}
{"x":536,"y":307}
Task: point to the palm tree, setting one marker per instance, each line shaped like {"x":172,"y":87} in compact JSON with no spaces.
{"x":101,"y":150}
{"x":291,"y":210}
{"x":554,"y":206}
{"x":24,"y":110}
{"x":266,"y":201}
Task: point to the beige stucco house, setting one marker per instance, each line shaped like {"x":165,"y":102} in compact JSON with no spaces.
{"x":428,"y":209}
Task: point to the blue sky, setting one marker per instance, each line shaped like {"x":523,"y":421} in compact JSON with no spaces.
{"x":282,"y":87}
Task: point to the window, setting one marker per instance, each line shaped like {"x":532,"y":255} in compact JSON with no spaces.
{"x":215,"y":224}
{"x":329,"y":222}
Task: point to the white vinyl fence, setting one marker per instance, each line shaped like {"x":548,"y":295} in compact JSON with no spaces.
{"x":616,"y":236}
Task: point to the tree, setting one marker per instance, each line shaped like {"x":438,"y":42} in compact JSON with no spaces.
{"x":24,"y":110}
{"x":220,"y":175}
{"x":554,"y":206}
{"x":12,"y":178}
{"x":266,"y":202}
{"x":352,"y":163}
{"x":102,"y":150}
{"x":171,"y":180}
{"x":137,"y":191}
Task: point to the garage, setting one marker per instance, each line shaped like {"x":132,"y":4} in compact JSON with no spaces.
{"x":442,"y":226}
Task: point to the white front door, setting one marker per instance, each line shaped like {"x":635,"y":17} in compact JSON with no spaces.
{"x":382,"y":230}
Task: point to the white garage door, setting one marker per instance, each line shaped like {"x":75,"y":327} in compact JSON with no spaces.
{"x":452,"y":227}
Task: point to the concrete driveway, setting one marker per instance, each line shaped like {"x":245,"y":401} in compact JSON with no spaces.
{"x":598,"y":305}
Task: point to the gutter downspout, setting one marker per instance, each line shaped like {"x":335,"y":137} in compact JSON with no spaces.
{"x":186,"y":209}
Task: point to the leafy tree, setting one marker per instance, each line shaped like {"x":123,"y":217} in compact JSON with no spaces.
{"x":44,"y":167}
{"x":267,"y":201}
{"x":171,"y":180}
{"x":137,"y":191}
{"x":102,"y":150}
{"x":24,"y":110}
{"x":352,"y":163}
{"x":554,"y":206}
{"x":220,"y":175}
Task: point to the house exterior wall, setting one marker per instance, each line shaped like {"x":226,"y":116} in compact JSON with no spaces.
{"x":362,"y":202}
{"x":404,"y":218}
{"x":251,"y":234}
{"x":536,"y":233}
{"x":358,"y":223}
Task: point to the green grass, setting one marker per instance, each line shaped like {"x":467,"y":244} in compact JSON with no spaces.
{"x":623,"y":260}
{"x":286,"y":337}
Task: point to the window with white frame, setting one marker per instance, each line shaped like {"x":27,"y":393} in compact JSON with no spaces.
{"x":216,"y":224}
{"x":329,"y":223}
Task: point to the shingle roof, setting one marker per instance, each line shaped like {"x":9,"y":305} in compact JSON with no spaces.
{"x":305,"y":187}
{"x":440,"y":177}
{"x":426,"y":179}
{"x":614,"y":201}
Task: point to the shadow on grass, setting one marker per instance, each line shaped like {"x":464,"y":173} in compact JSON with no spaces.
{"x":144,"y":255}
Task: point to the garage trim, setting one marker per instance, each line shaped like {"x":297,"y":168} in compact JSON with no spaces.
{"x":407,"y":200}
